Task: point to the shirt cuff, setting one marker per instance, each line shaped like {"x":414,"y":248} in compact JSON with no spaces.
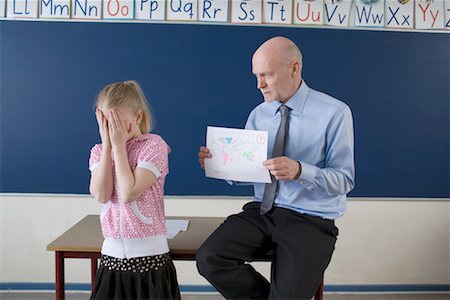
{"x":308,"y":173}
{"x":94,"y":166}
{"x":149,"y":166}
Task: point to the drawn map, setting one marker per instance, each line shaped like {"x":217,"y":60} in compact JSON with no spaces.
{"x":237,"y":154}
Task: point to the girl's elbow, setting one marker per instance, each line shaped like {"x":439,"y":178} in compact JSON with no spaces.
{"x":101,"y":198}
{"x":129,"y":197}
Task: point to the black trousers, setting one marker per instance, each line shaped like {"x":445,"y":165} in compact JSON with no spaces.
{"x":302,"y":246}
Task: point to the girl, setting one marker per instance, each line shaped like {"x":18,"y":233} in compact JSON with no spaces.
{"x":128,"y":170}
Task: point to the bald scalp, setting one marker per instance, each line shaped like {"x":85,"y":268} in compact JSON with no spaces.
{"x":280,"y":49}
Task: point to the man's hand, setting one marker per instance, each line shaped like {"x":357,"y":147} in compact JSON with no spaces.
{"x":283,"y":168}
{"x":203,"y":153}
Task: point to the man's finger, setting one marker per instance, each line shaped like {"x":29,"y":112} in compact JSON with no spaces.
{"x":204,"y":149}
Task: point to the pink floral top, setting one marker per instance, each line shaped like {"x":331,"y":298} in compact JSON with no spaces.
{"x":145,"y":216}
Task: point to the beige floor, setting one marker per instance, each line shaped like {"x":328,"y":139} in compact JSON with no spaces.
{"x":204,"y":296}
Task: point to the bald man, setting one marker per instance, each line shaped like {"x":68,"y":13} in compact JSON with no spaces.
{"x":312,"y":170}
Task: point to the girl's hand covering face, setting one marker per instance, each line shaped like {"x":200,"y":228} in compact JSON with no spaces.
{"x":118,"y":130}
{"x":103,"y":127}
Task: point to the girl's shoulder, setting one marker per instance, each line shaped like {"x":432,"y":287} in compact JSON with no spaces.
{"x":97,"y":148}
{"x":152,"y":140}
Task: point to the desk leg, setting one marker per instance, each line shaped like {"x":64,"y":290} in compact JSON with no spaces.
{"x":93,"y":271}
{"x":319,"y":292}
{"x":59,"y":275}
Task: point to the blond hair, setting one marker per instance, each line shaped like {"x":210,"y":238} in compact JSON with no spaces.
{"x":129,"y":94}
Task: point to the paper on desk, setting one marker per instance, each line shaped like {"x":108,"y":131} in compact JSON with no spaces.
{"x":237,"y":154}
{"x":173,"y":227}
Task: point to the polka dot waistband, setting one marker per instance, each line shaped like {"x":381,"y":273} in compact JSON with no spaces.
{"x":136,"y":264}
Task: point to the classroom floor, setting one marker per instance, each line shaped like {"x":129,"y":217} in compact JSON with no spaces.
{"x":203,"y":296}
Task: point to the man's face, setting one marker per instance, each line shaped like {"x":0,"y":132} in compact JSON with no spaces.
{"x":274,"y":77}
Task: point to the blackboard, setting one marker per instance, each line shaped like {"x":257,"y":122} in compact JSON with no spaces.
{"x":396,"y":83}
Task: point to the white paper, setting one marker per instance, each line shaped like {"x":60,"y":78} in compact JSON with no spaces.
{"x":87,"y":9}
{"x":399,"y":14}
{"x":59,"y":9}
{"x":154,"y":10}
{"x":307,"y":12}
{"x":237,"y":154}
{"x":118,"y":9}
{"x":173,"y":227}
{"x":447,"y":14}
{"x":369,"y":13}
{"x":429,"y":14}
{"x":2,"y":8}
{"x":213,"y":11}
{"x":22,"y":8}
{"x":337,"y":12}
{"x":181,"y":10}
{"x":277,"y":11}
{"x":246,"y":11}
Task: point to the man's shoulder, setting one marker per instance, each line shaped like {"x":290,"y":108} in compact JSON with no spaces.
{"x":326,"y":101}
{"x":261,"y":108}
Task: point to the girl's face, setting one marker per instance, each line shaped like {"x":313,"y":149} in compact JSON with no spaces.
{"x":130,"y":119}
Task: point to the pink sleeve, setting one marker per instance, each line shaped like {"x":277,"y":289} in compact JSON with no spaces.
{"x":94,"y":159}
{"x":154,"y":157}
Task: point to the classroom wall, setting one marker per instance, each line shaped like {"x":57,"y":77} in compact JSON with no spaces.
{"x":381,"y":241}
{"x":396,"y":84}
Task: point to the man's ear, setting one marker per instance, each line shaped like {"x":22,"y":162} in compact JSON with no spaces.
{"x":296,"y":68}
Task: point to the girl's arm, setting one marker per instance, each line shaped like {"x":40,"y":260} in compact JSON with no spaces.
{"x":101,"y":185}
{"x":131,"y":184}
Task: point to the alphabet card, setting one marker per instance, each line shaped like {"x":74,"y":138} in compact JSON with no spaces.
{"x":2,"y":8}
{"x":55,"y":9}
{"x":22,"y":8}
{"x":213,"y":10}
{"x":447,"y":14}
{"x":399,"y":13}
{"x":369,"y":13}
{"x":246,"y":11}
{"x":429,"y":14}
{"x":308,"y":12}
{"x":87,"y":9}
{"x":154,"y":10}
{"x":182,"y":10}
{"x":118,"y":9}
{"x":337,"y":12}
{"x":277,"y":11}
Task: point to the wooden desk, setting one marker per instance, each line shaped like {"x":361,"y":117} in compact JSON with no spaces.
{"x":84,"y":240}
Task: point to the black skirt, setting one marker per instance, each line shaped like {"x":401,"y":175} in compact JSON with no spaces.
{"x":150,"y":277}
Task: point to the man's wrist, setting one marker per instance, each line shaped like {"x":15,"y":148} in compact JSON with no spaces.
{"x":299,"y":170}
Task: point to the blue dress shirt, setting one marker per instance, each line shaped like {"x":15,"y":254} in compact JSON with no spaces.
{"x":320,"y":137}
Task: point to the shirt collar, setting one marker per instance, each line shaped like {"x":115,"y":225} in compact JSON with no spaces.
{"x":142,"y":137}
{"x":296,"y":102}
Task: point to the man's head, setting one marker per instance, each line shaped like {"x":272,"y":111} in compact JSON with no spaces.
{"x":277,"y":65}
